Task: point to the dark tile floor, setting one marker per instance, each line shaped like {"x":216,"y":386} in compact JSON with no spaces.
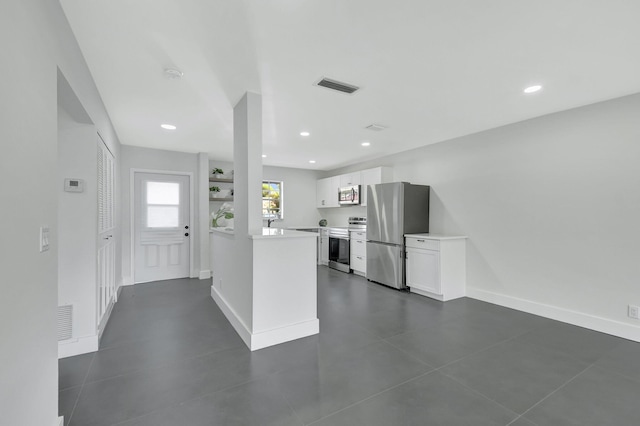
{"x":169,"y":357}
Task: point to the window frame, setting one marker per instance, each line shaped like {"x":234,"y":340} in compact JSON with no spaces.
{"x":280,"y":214}
{"x":147,"y":205}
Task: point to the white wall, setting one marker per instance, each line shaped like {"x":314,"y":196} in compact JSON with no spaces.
{"x":299,"y":193}
{"x":551,"y":208}
{"x":338,"y":216}
{"x":77,"y":223}
{"x":36,"y":40}
{"x":158,"y":160}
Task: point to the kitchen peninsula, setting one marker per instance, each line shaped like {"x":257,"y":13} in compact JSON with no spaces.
{"x":266,"y":284}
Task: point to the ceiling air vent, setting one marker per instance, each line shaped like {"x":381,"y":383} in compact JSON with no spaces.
{"x":337,"y":85}
{"x":375,"y":127}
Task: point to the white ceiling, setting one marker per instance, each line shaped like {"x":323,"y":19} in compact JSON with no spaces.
{"x":429,"y":70}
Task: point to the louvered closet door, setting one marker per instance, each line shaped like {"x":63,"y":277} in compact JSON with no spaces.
{"x":106,"y":283}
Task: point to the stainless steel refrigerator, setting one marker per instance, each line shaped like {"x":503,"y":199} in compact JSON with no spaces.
{"x":393,"y":209}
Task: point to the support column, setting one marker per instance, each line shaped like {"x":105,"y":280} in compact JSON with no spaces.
{"x":247,"y":163}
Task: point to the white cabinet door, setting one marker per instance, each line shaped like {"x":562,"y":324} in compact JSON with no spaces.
{"x":321,"y":192}
{"x":324,"y":252}
{"x":423,"y":270}
{"x":350,"y":179}
{"x":333,"y":189}
{"x":327,"y":192}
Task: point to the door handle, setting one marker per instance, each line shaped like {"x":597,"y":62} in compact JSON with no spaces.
{"x":186,"y":234}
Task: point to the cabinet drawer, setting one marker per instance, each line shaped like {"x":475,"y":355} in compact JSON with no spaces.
{"x":358,"y":235}
{"x":423,"y":243}
{"x":358,"y":263}
{"x":359,"y":247}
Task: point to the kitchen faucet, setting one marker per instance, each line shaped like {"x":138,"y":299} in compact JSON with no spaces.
{"x":269,"y":222}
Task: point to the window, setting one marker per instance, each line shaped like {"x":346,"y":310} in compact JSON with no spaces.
{"x":163,"y":204}
{"x":272,"y":199}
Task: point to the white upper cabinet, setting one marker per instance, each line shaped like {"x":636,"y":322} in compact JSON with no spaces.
{"x":373,"y":177}
{"x":350,"y":179}
{"x":327,"y":192}
{"x":327,"y":188}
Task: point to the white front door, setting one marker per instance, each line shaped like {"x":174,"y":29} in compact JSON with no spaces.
{"x":162,"y":228}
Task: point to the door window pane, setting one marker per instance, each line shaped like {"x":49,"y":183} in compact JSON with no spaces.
{"x":163,"y":216}
{"x":163,"y":193}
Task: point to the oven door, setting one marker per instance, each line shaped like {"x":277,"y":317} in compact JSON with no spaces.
{"x":339,"y":253}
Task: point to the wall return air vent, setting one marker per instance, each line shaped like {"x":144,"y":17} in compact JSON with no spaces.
{"x":65,"y":322}
{"x":337,"y":85}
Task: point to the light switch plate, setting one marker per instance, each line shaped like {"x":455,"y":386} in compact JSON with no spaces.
{"x":44,"y":238}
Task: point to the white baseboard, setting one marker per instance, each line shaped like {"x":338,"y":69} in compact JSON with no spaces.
{"x":59,"y":421}
{"x":127,"y":281}
{"x":234,"y":319}
{"x":105,"y":318}
{"x":287,"y":333}
{"x":592,"y":322}
{"x":77,"y":346}
{"x":264,"y":339}
{"x":205,"y":275}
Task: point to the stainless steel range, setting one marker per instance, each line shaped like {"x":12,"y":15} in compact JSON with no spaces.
{"x":339,"y":245}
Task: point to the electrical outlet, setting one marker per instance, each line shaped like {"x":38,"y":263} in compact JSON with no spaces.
{"x":633,"y":312}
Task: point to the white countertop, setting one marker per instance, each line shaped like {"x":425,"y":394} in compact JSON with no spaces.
{"x":282,"y":233}
{"x":436,"y":236}
{"x":268,"y":233}
{"x":221,"y":230}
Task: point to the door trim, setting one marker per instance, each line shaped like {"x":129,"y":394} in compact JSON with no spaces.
{"x":132,"y":206}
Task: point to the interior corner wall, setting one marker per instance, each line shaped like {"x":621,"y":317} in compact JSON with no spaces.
{"x":202,"y":194}
{"x":551,"y":208}
{"x":133,"y":157}
{"x":36,"y":42}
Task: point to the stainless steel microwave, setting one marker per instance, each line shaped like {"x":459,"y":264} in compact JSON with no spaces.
{"x":349,"y":195}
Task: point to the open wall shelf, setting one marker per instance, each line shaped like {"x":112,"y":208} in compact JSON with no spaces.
{"x":221,"y":199}
{"x":220,"y":180}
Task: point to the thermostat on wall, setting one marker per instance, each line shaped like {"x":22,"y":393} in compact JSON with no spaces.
{"x":73,"y":185}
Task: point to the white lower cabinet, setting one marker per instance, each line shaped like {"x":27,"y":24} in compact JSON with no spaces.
{"x":323,"y":247}
{"x":436,"y":265}
{"x":358,"y":252}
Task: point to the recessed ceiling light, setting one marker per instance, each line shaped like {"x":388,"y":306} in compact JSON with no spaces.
{"x":532,"y":89}
{"x":168,"y":126}
{"x":304,"y":133}
{"x":365,"y":143}
{"x":312,"y":161}
{"x":264,"y":155}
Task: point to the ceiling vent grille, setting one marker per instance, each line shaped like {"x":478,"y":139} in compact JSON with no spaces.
{"x":375,"y":127}
{"x":65,"y":322}
{"x":337,"y":85}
